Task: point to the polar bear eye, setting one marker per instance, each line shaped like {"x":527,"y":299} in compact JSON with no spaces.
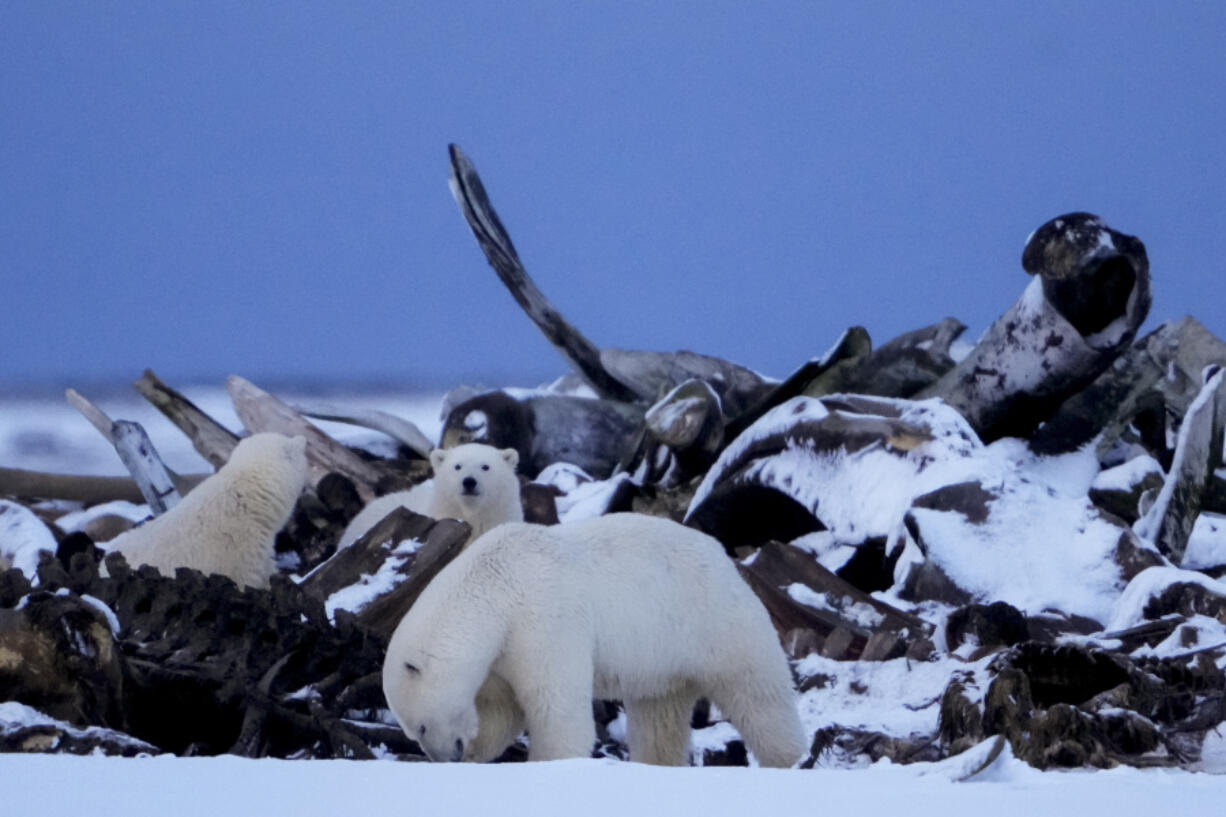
{"x":411,"y":668}
{"x":457,"y":466}
{"x":485,"y":468}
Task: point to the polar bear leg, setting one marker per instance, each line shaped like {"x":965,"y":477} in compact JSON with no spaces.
{"x":765,"y":716}
{"x":658,"y":729}
{"x":552,"y":681}
{"x":500,"y":721}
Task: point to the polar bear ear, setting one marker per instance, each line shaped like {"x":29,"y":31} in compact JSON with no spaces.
{"x":511,"y":456}
{"x":437,"y":457}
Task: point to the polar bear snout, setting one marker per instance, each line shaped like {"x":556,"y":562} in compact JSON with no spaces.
{"x":437,"y":754}
{"x":470,"y":486}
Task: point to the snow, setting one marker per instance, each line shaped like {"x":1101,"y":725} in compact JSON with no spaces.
{"x":1041,"y":519}
{"x":157,"y":786}
{"x":1207,"y":544}
{"x":77,"y":520}
{"x":862,"y":494}
{"x":23,"y":536}
{"x":372,"y":585}
{"x":898,"y":697}
{"x":1149,"y":583}
{"x":1128,"y":475}
{"x":98,"y":604}
{"x":582,"y":497}
{"x":856,"y":612}
{"x":15,"y":716}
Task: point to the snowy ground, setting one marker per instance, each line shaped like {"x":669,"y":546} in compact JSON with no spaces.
{"x":59,"y":785}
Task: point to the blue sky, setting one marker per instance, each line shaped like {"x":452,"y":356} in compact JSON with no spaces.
{"x":260,"y":188}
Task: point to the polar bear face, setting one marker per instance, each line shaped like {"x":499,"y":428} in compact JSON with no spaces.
{"x":475,"y":474}
{"x":442,"y":726}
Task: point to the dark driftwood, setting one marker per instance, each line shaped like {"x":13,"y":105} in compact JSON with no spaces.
{"x":444,"y":541}
{"x":496,"y":243}
{"x":137,"y":453}
{"x":87,"y":490}
{"x":261,"y":411}
{"x":210,"y":438}
{"x":1090,"y":295}
{"x":365,"y":556}
{"x":837,"y":630}
{"x":908,"y":363}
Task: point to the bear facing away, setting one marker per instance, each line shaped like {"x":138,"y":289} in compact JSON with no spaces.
{"x":475,"y":483}
{"x":529,"y":623}
{"x":228,"y":523}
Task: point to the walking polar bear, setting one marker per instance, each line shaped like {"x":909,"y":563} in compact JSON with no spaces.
{"x":228,"y":523}
{"x":529,"y":623}
{"x":475,"y":483}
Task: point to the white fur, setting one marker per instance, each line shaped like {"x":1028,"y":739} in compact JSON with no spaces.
{"x":228,"y":523}
{"x":493,"y":499}
{"x":530,"y":623}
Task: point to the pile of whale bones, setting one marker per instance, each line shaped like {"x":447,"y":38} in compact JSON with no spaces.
{"x":1016,"y":543}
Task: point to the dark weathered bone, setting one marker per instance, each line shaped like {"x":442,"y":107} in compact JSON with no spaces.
{"x":907,"y":364}
{"x":496,"y":243}
{"x":1090,"y":295}
{"x":852,"y":348}
{"x":593,"y":434}
{"x":653,"y":374}
{"x":398,"y":428}
{"x":136,"y":452}
{"x":261,"y":411}
{"x":1169,"y":522}
{"x":88,"y":490}
{"x":1164,"y":366}
{"x":211,"y":439}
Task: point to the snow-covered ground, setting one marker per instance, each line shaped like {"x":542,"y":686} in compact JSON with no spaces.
{"x":160,"y":786}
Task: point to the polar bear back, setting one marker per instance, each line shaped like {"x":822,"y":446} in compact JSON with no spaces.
{"x":228,"y":523}
{"x":642,"y":586}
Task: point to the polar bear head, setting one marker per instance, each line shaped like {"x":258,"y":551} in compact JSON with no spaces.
{"x":424,"y":693}
{"x":270,"y":448}
{"x":475,"y":475}
{"x":277,"y":464}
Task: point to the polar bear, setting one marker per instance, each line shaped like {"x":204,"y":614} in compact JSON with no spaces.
{"x":227,"y":524}
{"x":472,"y":482}
{"x":529,"y":623}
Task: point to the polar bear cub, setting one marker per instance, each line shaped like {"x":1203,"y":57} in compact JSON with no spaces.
{"x":529,"y":623}
{"x":474,"y":482}
{"x":228,"y":523}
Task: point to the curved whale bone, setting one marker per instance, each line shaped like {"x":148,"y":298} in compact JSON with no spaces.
{"x":1089,"y":295}
{"x":496,"y":243}
{"x":136,"y":450}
